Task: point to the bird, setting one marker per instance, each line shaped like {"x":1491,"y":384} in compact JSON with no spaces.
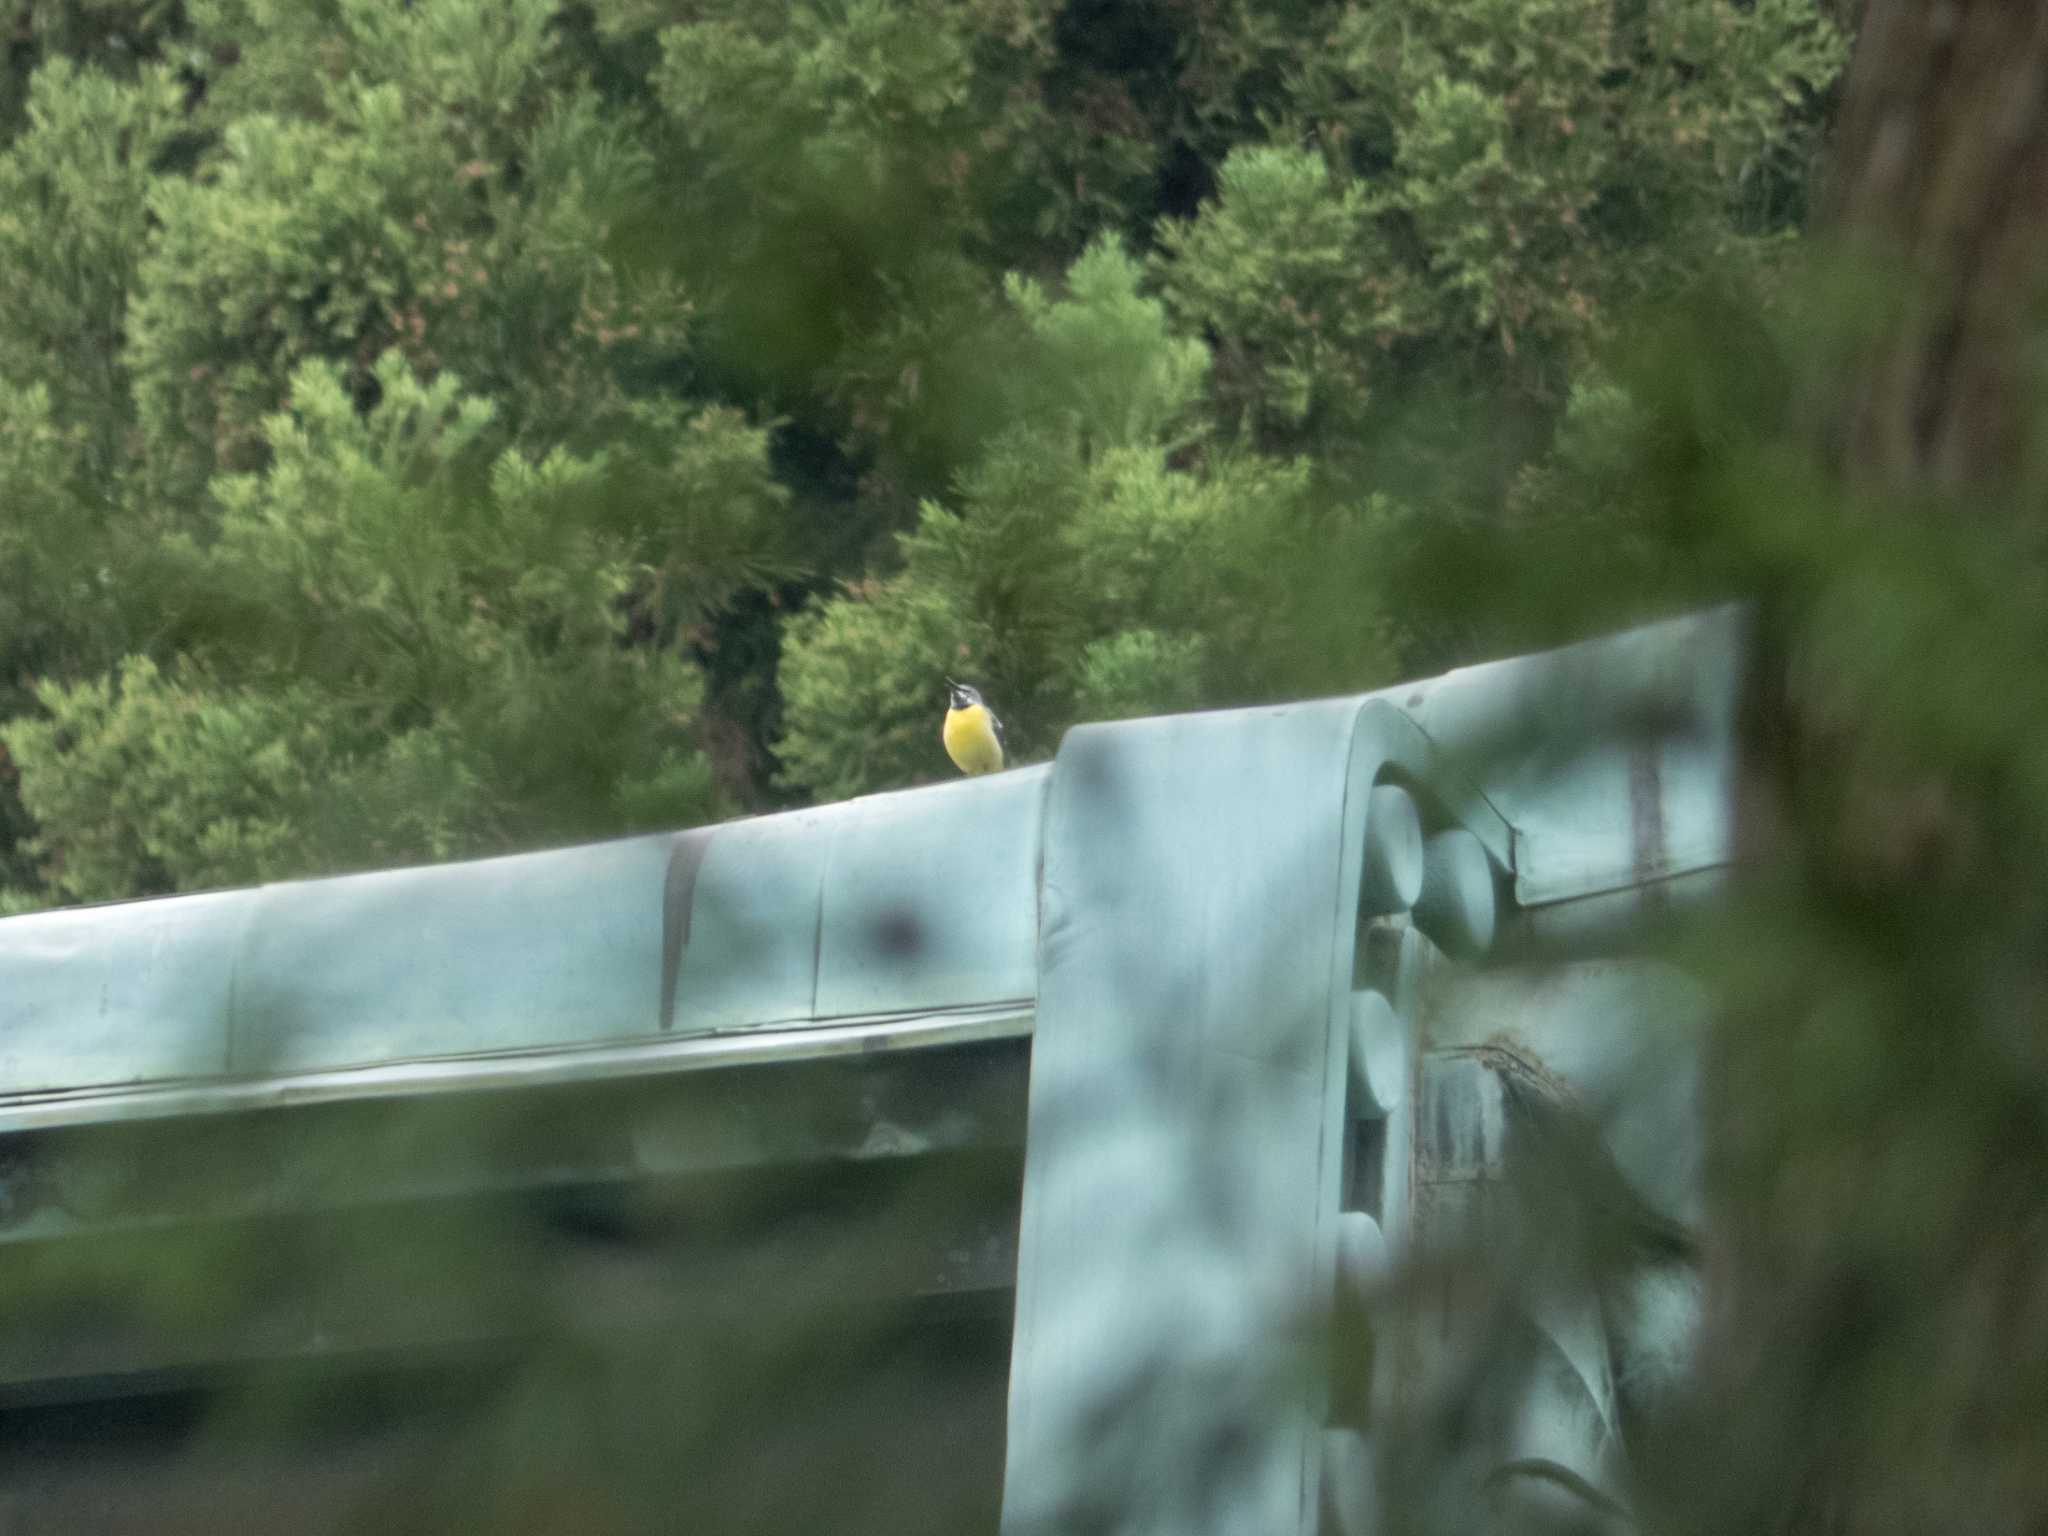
{"x":972,"y":734}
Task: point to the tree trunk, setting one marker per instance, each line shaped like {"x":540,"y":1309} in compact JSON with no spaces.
{"x":1941,"y":167}
{"x":1876,"y":1354}
{"x":1877,"y":1348}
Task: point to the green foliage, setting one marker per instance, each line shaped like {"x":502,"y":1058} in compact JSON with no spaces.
{"x":1085,"y":571}
{"x":1292,"y":276}
{"x":116,"y":38}
{"x":1089,"y":339}
{"x":449,"y":197}
{"x":74,"y":212}
{"x":474,"y":70}
{"x":404,"y":643}
{"x":145,"y":783}
{"x":1139,"y":672}
{"x":422,"y":425}
{"x":55,"y":545}
{"x":1105,"y":371}
{"x":835,"y":179}
{"x":1503,"y":177}
{"x":51,"y":541}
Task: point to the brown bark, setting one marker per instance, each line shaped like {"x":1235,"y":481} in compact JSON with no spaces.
{"x":1873,"y":1364}
{"x":1941,"y":173}
{"x":1938,"y":187}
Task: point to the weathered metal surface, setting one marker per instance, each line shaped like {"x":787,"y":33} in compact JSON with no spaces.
{"x":867,"y":1108}
{"x":931,"y":898}
{"x":1456,"y":908}
{"x":1392,"y":877}
{"x":111,"y":995}
{"x":1589,"y":927}
{"x":493,"y":1073}
{"x":887,"y":1176}
{"x":1613,"y":759}
{"x":925,"y":900}
{"x":746,"y":927}
{"x":1253,"y":1071}
{"x":1620,"y":1040}
{"x":1189,"y":1075}
{"x":542,"y":949}
{"x":1378,"y":1053}
{"x":508,"y":971}
{"x":1397,"y":963}
{"x":1517,"y":1064}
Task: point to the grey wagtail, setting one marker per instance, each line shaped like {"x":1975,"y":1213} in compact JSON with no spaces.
{"x":973,"y":735}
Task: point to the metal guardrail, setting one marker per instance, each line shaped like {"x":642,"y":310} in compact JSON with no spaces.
{"x":507,"y":1070}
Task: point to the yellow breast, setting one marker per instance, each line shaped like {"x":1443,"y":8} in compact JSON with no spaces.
{"x":971,"y":741}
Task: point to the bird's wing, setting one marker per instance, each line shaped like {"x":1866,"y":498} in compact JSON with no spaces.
{"x":995,"y":724}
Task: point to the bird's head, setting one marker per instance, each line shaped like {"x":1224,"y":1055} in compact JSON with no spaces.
{"x":960,"y":695}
